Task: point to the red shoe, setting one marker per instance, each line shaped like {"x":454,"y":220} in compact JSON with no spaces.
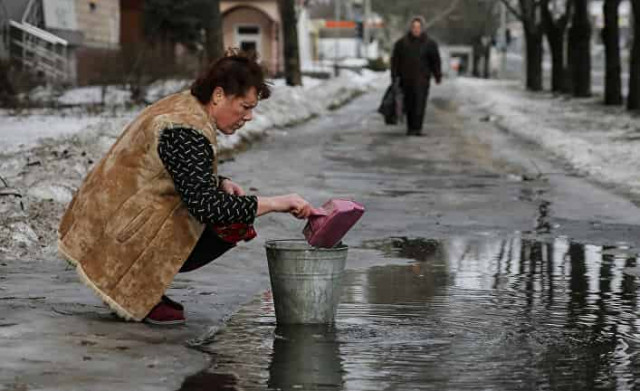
{"x":174,"y":304}
{"x":166,"y":314}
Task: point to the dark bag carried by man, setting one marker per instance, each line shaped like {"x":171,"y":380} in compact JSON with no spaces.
{"x":391,"y":105}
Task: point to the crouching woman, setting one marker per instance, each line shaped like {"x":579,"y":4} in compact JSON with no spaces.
{"x":155,"y":206}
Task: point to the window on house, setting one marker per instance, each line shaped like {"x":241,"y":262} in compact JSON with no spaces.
{"x":249,"y":30}
{"x":249,"y":38}
{"x":247,"y":46}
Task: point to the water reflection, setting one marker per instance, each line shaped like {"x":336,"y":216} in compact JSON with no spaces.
{"x":262,"y":355}
{"x":206,"y":381}
{"x":305,"y":357}
{"x":550,"y":314}
{"x":464,"y":313}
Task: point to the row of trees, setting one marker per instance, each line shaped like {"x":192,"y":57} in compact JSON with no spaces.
{"x":567,"y":28}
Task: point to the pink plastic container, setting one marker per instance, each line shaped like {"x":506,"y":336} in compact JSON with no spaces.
{"x":328,"y":224}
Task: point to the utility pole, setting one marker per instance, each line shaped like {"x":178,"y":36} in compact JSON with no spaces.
{"x":214,"y":42}
{"x":366,"y":32}
{"x":338,"y":16}
{"x":503,"y":40}
{"x":292,"y":72}
{"x":4,"y":31}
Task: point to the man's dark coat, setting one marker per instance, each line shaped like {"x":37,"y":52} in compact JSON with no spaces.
{"x":415,"y":61}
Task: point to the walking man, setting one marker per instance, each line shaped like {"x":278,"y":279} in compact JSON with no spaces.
{"x":415,"y":60}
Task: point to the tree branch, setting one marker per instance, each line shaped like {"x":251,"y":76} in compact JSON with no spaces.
{"x":443,"y":14}
{"x":513,"y":10}
{"x":569,"y":8}
{"x":547,"y":19}
{"x":564,"y":19}
{"x":10,"y":192}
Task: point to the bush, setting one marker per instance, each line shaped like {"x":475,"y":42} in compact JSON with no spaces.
{"x":7,"y":92}
{"x":377,"y":65}
{"x":15,"y":83}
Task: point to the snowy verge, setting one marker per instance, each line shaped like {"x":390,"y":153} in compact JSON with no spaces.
{"x":41,"y":174}
{"x":287,"y":106}
{"x":599,"y":141}
{"x":291,"y":105}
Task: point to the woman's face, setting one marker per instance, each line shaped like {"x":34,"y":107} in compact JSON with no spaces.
{"x":231,"y":112}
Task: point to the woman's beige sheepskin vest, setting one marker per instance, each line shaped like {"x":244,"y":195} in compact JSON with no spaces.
{"x":126,"y":229}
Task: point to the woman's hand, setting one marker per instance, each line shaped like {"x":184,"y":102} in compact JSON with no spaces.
{"x":290,"y":203}
{"x":230,"y":187}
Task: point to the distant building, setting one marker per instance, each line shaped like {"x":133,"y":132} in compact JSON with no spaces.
{"x":343,"y":38}
{"x":254,"y":26}
{"x":99,"y":23}
{"x":247,"y":24}
{"x":74,"y":41}
{"x":28,"y":44}
{"x":59,"y":40}
{"x":131,"y":27}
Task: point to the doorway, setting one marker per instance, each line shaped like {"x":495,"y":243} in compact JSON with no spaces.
{"x":248,"y":38}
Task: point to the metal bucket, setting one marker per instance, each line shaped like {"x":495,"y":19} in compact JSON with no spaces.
{"x":305,"y":281}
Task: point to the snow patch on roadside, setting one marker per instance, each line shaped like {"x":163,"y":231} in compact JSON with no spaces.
{"x":291,"y":105}
{"x":596,"y":140}
{"x":163,"y":88}
{"x":25,"y":131}
{"x":45,"y":153}
{"x":110,"y":96}
{"x":51,"y":192}
{"x":287,"y":105}
{"x":23,"y":234}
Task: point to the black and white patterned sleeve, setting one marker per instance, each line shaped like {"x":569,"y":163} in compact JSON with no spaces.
{"x":188,"y":156}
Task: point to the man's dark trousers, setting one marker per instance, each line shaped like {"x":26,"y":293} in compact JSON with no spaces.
{"x":415,"y":105}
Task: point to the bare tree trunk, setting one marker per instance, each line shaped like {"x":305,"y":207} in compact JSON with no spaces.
{"x":167,"y":52}
{"x":567,"y":85}
{"x":291,"y":50}
{"x":213,"y":30}
{"x":580,"y":53}
{"x":7,"y":91}
{"x":477,"y":53}
{"x":487,"y":61}
{"x":558,"y":69}
{"x":555,"y":32}
{"x":528,"y":14}
{"x":633,"y":101}
{"x":452,"y":7}
{"x":533,"y":41}
{"x":611,"y":39}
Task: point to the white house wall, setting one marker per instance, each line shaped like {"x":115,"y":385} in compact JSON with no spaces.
{"x":304,"y":39}
{"x":346,"y":48}
{"x":100,"y":24}
{"x":60,"y":14}
{"x":268,"y":7}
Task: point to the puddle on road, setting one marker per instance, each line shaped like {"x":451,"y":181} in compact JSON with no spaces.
{"x":464,"y":313}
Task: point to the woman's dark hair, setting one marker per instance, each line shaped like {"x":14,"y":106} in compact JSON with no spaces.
{"x":235,"y":74}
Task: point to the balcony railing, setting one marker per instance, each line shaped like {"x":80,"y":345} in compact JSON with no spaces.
{"x":36,"y":49}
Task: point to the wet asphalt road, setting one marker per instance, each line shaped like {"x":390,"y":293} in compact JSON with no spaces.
{"x":466,"y":190}
{"x":481,"y":263}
